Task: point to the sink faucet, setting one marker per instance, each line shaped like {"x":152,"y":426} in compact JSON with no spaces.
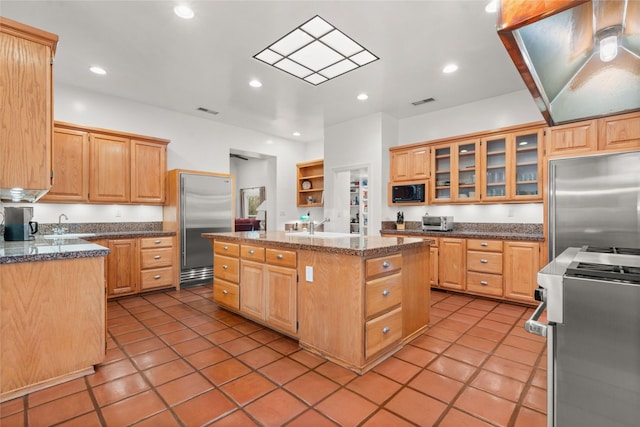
{"x":313,"y":225}
{"x":59,"y":229}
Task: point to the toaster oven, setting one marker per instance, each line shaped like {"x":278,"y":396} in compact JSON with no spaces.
{"x":437,"y":223}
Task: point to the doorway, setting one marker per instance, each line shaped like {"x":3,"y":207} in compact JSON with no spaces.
{"x":351,"y":199}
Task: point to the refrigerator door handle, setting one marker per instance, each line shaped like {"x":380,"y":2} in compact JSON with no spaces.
{"x":552,"y":211}
{"x":533,"y":326}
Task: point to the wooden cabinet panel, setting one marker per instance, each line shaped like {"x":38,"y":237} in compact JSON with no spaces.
{"x":619,"y":132}
{"x":310,"y":185}
{"x":281,"y":298}
{"x":521,"y":265}
{"x":281,"y":257}
{"x":484,"y":262}
{"x":156,"y":242}
{"x":433,"y":262}
{"x":254,"y":253}
{"x":382,"y":294}
{"x":226,"y":293}
{"x":226,"y":268}
{"x":226,"y":248}
{"x":252,"y":289}
{"x":156,"y":278}
{"x":70,"y":166}
{"x":382,"y":265}
{"x":484,"y":245}
{"x":572,"y":139}
{"x":156,"y":257}
{"x":148,"y":168}
{"x":109,"y":179}
{"x":452,"y":263}
{"x":483,"y":283}
{"x":122,"y":267}
{"x":26,"y":93}
{"x":410,"y":164}
{"x":400,"y":166}
{"x":456,"y":168}
{"x":383,"y":331}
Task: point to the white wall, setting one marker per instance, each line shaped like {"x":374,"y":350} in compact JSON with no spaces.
{"x":196,"y":143}
{"x":493,"y":113}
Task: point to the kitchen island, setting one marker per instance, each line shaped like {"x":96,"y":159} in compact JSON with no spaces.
{"x":352,"y":299}
{"x":52,"y":317}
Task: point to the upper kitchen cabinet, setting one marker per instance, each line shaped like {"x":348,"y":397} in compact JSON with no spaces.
{"x":512,"y":165}
{"x":104,"y":166}
{"x":409,"y":164}
{"x":455,"y":167}
{"x":26,"y":91}
{"x":109,"y":169}
{"x":310,"y":185}
{"x":619,"y":133}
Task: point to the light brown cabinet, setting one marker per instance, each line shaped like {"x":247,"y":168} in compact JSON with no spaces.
{"x":156,"y":262}
{"x":226,"y":277}
{"x":71,"y":166}
{"x":456,"y":167}
{"x":409,"y":164}
{"x":452,"y":271}
{"x":102,"y":166}
{"x":521,"y":265}
{"x":619,"y":133}
{"x":484,"y":267}
{"x":26,"y":91}
{"x":310,"y":184}
{"x":122,"y":267}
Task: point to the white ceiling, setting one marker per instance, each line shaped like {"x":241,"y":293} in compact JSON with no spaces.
{"x":156,"y":58}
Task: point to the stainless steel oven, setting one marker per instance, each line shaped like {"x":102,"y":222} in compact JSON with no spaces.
{"x":592,"y":301}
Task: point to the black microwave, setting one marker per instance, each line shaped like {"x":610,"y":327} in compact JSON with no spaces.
{"x":409,"y":193}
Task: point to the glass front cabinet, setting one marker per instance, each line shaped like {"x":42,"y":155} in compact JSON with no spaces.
{"x":455,"y":169}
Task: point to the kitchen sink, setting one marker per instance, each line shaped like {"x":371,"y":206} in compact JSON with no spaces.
{"x":68,"y":236}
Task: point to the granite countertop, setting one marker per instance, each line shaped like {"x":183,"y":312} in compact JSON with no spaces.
{"x":42,"y":249}
{"x":469,"y":234}
{"x":338,"y":243}
{"x":128,"y":234}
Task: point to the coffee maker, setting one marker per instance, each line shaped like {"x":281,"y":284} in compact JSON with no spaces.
{"x":18,"y":225}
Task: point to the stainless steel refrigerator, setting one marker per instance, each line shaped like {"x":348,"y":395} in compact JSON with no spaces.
{"x":206,"y":206}
{"x":594,"y":200}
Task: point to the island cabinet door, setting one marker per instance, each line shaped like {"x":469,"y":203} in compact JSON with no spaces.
{"x":252,"y":289}
{"x":281,"y":294}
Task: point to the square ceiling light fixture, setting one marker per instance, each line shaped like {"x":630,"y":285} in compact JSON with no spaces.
{"x":315,"y":52}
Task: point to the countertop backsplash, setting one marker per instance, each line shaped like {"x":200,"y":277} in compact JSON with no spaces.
{"x":97,"y":227}
{"x":485,"y":227}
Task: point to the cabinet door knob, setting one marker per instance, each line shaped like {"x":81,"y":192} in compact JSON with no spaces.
{"x":279,"y":256}
{"x":225,"y":266}
{"x":386,"y":264}
{"x":156,"y":257}
{"x":386,"y":330}
{"x":484,"y":282}
{"x":251,"y":252}
{"x":157,"y":276}
{"x":157,"y":242}
{"x":484,"y":261}
{"x":225,"y":247}
{"x":225,"y":291}
{"x":484,"y":244}
{"x":385,"y":292}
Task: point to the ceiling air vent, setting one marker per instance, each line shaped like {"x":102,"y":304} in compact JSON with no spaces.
{"x":422,"y":101}
{"x":206,"y":110}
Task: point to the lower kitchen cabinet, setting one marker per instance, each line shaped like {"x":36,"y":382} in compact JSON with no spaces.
{"x":156,"y":262}
{"x":433,"y":263}
{"x":484,"y":267}
{"x":521,"y":265}
{"x":122,"y":267}
{"x":452,"y":254}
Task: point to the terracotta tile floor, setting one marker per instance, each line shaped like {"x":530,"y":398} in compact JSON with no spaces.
{"x":176,"y":359}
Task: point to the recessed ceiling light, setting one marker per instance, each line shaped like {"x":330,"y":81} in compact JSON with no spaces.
{"x":363,"y":97}
{"x":450,"y":68}
{"x":184,"y":11}
{"x":315,"y":52}
{"x":269,"y":141}
{"x":255,"y":83}
{"x":296,"y":134}
{"x":491,"y":7}
{"x":98,"y":70}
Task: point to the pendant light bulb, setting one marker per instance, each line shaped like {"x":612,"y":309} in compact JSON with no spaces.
{"x":608,"y":48}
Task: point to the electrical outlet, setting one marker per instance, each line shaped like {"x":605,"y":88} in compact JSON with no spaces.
{"x":308,"y":272}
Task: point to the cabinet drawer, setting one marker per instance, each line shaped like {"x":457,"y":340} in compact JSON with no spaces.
{"x":484,"y":245}
{"x":385,"y":264}
{"x":281,"y":258}
{"x":226,"y":268}
{"x":226,"y":293}
{"x":486,"y":262}
{"x":156,"y":242}
{"x":253,"y":253}
{"x":382,"y":332}
{"x":226,"y":248}
{"x":156,"y":277}
{"x":383,"y":293}
{"x":482,"y":283}
{"x":152,"y":258}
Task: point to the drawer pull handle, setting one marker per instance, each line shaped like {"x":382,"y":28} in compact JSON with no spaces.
{"x":386,"y":330}
{"x":225,"y":266}
{"x":484,"y":282}
{"x":157,"y":242}
{"x":385,"y":292}
{"x":156,"y":257}
{"x":225,"y":247}
{"x":279,"y":256}
{"x":484,"y":261}
{"x":386,"y":264}
{"x":225,"y":291}
{"x":251,"y":252}
{"x":484,"y":244}
{"x":157,"y":276}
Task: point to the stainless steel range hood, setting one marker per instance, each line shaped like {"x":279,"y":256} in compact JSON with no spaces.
{"x":560,"y":49}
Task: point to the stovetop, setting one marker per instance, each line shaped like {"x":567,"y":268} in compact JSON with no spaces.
{"x":606,"y":263}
